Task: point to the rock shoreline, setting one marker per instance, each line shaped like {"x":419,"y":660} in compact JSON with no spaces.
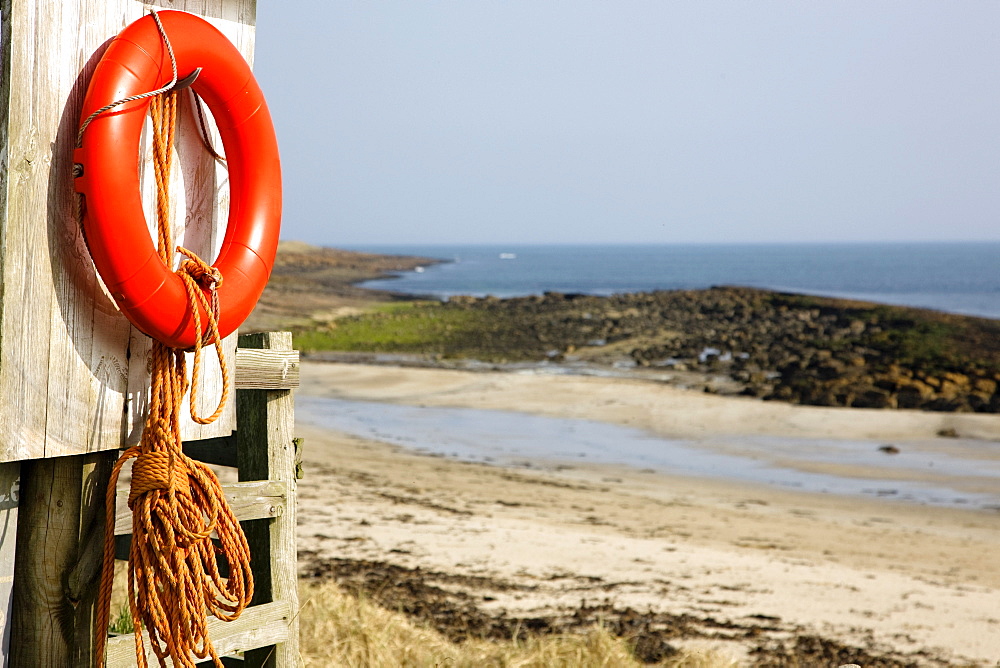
{"x":772,"y":345}
{"x":807,"y":350}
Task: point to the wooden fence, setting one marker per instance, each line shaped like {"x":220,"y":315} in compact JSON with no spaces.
{"x":54,"y":586}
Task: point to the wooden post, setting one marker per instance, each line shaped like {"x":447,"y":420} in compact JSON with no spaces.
{"x":266,"y":451}
{"x":59,"y":533}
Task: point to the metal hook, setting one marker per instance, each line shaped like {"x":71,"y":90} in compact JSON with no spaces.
{"x":187,"y":81}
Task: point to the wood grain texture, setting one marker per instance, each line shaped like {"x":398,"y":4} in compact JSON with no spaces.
{"x":266,"y":451}
{"x":267,"y":369}
{"x":72,"y":371}
{"x":46,"y":623}
{"x":82,"y":582}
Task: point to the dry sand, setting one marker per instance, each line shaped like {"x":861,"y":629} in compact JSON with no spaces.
{"x":750,"y":564}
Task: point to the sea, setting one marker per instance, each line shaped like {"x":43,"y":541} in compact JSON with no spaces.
{"x":957,"y":277}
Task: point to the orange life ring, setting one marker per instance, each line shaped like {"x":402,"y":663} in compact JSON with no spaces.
{"x":150,"y":295}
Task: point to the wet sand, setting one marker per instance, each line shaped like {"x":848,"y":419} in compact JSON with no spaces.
{"x":750,"y":564}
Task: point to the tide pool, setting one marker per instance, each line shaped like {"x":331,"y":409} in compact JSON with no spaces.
{"x":922,"y":472}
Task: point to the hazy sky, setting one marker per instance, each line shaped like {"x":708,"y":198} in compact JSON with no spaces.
{"x":556,"y":121}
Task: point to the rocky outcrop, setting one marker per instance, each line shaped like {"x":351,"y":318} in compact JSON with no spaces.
{"x":778,"y":346}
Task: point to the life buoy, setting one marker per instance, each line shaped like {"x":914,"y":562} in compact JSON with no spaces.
{"x":148,"y":292}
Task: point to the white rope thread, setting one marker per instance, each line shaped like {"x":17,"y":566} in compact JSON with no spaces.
{"x":133,"y":98}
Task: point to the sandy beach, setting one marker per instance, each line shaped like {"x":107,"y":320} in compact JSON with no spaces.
{"x":734,"y":566}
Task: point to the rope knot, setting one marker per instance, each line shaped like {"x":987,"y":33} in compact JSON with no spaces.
{"x":207,"y":276}
{"x":196,"y":272}
{"x":157,"y":470}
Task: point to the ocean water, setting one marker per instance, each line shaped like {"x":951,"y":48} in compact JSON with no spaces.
{"x":954,"y":277}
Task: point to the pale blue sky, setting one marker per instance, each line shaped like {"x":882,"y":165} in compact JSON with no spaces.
{"x":550,"y":121}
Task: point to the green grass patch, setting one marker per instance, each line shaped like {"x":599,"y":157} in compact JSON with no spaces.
{"x":122,"y":623}
{"x":402,"y":328}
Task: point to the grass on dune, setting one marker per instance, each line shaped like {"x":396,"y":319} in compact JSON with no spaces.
{"x":338,"y":629}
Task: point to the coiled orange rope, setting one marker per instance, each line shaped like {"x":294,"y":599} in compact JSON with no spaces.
{"x":177,"y":503}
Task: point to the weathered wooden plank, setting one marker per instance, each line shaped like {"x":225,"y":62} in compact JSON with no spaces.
{"x":72,"y":371}
{"x":267,"y":369}
{"x":267,"y":451}
{"x":41,"y":269}
{"x":257,"y":626}
{"x":259,"y":499}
